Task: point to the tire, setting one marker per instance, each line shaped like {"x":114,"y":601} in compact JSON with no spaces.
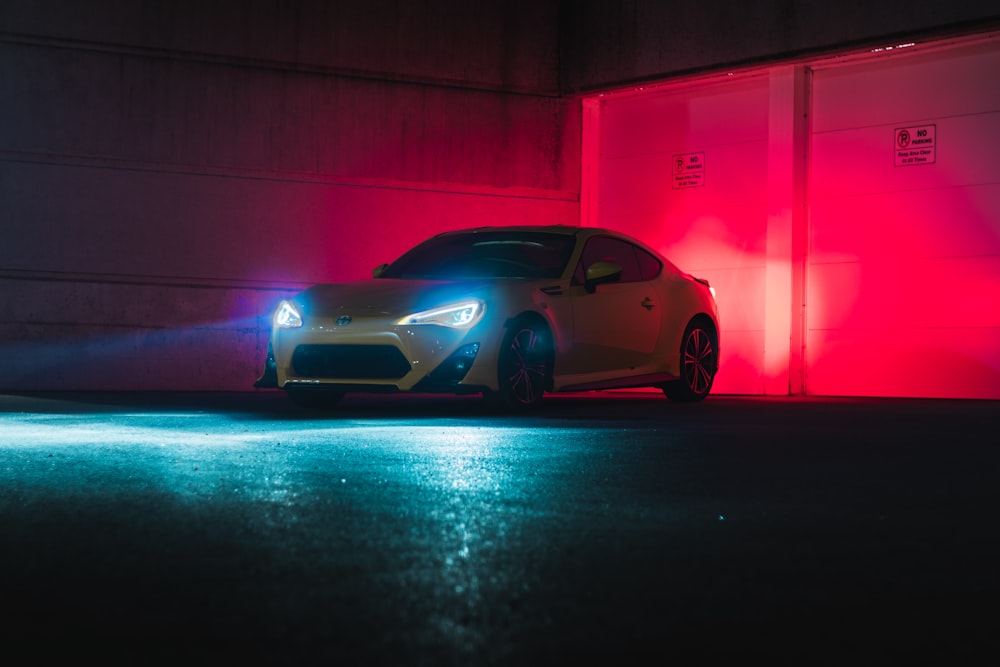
{"x":315,"y":399}
{"x":698,"y":365}
{"x":523,"y":367}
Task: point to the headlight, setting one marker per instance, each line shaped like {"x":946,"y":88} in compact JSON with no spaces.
{"x":458,"y":315}
{"x":287,"y":316}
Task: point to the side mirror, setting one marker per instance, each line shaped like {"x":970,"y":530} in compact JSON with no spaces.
{"x":379,"y":270}
{"x":599,"y":273}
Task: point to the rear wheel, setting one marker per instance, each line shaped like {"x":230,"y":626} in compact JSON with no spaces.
{"x":315,"y":399}
{"x":523,"y":367}
{"x":699,"y":362}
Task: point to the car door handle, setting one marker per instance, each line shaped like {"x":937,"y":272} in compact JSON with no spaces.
{"x":648,"y":304}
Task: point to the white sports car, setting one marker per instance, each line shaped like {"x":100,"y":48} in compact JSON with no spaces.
{"x":506,"y":312}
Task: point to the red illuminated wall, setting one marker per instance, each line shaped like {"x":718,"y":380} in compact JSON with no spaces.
{"x":840,"y":269}
{"x":904,"y":257}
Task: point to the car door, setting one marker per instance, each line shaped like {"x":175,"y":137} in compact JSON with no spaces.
{"x":616,"y":324}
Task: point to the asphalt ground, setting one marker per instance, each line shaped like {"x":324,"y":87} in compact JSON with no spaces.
{"x":152,"y":528}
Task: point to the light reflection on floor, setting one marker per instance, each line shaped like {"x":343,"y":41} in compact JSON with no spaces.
{"x":279,"y":473}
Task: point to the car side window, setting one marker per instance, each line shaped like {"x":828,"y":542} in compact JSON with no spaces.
{"x":608,"y":249}
{"x":649,"y":265}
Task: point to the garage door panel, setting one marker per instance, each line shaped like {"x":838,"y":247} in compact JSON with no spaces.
{"x":928,"y":294}
{"x":862,"y":160}
{"x":967,"y":146}
{"x":924,"y":223}
{"x":735,"y":238}
{"x":669,"y":120}
{"x":734,"y":173}
{"x":906,"y":363}
{"x":740,"y":296}
{"x":634,"y":184}
{"x":740,"y":363}
{"x":903,"y":261}
{"x":844,"y":161}
{"x":907,"y":88}
{"x":905,"y":255}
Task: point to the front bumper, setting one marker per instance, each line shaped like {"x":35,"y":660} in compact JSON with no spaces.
{"x":378,"y":359}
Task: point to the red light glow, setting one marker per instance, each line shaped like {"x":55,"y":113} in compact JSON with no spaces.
{"x":842,"y":268}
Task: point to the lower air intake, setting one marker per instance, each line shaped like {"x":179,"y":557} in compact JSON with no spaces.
{"x":350,"y":362}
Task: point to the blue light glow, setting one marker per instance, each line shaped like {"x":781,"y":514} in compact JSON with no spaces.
{"x":287,"y":316}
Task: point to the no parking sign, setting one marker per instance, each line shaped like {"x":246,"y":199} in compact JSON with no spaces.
{"x":689,"y":170}
{"x":915,"y":145}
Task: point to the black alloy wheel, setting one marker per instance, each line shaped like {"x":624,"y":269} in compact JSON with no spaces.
{"x":523,"y":367}
{"x":698,"y":366}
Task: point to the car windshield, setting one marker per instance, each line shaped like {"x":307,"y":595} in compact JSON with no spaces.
{"x":482,"y":254}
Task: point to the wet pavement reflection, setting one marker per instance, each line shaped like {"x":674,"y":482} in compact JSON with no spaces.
{"x":419,"y":530}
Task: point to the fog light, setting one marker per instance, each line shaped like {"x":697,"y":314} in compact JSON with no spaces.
{"x":453,"y":369}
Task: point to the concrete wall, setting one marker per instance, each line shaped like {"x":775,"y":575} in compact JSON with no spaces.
{"x":605,"y":44}
{"x":170,"y":169}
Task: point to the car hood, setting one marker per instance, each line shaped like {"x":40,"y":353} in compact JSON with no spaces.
{"x":386,"y":296}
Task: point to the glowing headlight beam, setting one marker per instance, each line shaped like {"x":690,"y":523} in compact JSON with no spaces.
{"x":287,"y":316}
{"x":458,"y":315}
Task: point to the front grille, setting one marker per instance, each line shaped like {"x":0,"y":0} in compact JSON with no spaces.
{"x":358,"y":362}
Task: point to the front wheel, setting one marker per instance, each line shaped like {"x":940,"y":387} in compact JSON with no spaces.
{"x":523,"y":367}
{"x":699,"y":362}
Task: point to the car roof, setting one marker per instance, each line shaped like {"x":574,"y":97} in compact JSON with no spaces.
{"x":568,"y":230}
{"x":581,"y":233}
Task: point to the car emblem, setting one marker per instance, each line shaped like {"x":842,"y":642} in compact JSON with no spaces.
{"x":343,"y":320}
